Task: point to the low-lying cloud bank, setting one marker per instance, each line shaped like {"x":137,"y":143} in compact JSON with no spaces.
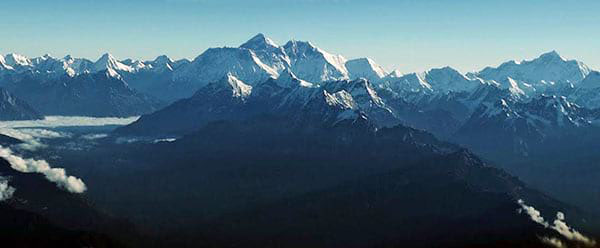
{"x":6,"y":191}
{"x":559,"y":225}
{"x":68,"y":121}
{"x":31,"y":136}
{"x":56,"y":175}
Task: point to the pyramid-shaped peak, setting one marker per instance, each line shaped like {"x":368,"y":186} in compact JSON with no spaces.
{"x":108,"y":61}
{"x":552,"y":55}
{"x":106,"y":57}
{"x":163,"y":59}
{"x":259,"y":42}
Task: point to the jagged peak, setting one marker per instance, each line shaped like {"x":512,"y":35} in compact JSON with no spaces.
{"x":259,"y":42}
{"x":341,"y":98}
{"x":295,"y":46}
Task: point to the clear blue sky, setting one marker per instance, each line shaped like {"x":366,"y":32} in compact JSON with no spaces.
{"x":410,"y":35}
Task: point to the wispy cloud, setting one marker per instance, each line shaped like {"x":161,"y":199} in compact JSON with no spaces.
{"x":56,"y":175}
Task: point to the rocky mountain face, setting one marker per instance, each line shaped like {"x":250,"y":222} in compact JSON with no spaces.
{"x":276,"y":181}
{"x":13,"y":108}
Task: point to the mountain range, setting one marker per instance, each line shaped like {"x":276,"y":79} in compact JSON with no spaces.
{"x":268,"y":102}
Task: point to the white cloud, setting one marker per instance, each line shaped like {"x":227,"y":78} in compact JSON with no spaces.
{"x":126,"y":140}
{"x":31,"y":132}
{"x":94,"y":136}
{"x":554,"y":242}
{"x":559,"y":225}
{"x":164,"y":140}
{"x":31,"y":136}
{"x":56,"y":175}
{"x":6,"y":191}
{"x":533,"y":213}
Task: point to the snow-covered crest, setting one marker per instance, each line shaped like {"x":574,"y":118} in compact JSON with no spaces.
{"x":548,"y":69}
{"x":314,"y":64}
{"x":108,"y":62}
{"x":13,"y":59}
{"x":260,"y":42}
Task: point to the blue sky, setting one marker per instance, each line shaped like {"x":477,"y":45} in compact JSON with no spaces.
{"x":410,"y":35}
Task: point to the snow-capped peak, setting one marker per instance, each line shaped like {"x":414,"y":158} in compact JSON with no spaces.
{"x":546,"y":70}
{"x":108,"y":62}
{"x":447,"y":79}
{"x":260,"y":42}
{"x":13,"y":59}
{"x":365,"y":68}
